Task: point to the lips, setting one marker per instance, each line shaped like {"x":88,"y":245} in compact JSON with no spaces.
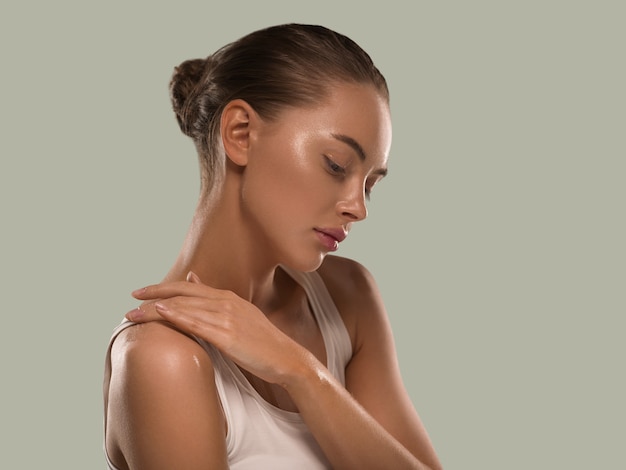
{"x":331,"y":237}
{"x":338,"y":234}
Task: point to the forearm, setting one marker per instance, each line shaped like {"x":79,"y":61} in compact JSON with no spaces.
{"x":349,"y":436}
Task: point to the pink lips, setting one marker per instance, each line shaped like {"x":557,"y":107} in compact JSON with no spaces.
{"x":331,"y":237}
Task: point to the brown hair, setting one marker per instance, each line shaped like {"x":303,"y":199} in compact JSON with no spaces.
{"x":284,"y":65}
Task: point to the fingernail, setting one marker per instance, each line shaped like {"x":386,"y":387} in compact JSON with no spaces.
{"x":193,"y":277}
{"x":161,"y":308}
{"x":135,"y":314}
{"x":139,"y":292}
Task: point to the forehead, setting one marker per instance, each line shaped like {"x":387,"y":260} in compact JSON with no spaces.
{"x":357,"y":112}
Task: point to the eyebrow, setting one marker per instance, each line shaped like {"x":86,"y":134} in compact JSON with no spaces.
{"x":358,"y":149}
{"x":352,"y":143}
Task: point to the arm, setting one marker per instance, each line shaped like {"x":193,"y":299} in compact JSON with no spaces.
{"x":163,"y":409}
{"x":372,"y":423}
{"x":377,"y":422}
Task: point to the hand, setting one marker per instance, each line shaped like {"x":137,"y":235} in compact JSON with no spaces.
{"x":235,"y":326}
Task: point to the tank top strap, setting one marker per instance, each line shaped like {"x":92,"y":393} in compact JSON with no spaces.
{"x":329,"y":320}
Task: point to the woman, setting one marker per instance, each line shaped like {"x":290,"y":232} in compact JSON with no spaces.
{"x":259,"y":350}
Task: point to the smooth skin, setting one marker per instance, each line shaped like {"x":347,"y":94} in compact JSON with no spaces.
{"x":310,"y":169}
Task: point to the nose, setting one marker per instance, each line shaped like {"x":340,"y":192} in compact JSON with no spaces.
{"x":353,"y":205}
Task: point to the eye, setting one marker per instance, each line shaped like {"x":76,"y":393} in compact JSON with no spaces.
{"x":370,"y":186}
{"x":334,"y":167}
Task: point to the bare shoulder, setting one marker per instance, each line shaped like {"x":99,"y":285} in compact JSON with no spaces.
{"x":345,"y":273}
{"x":149,"y":357}
{"x":349,"y":282}
{"x":355,"y":293}
{"x":160,"y":381}
{"x":373,"y":375}
{"x":160,"y":348}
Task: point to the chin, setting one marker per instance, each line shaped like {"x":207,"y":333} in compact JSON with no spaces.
{"x":305,"y":265}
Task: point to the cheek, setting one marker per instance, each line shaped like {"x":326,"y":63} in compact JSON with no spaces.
{"x":277,"y":190}
{"x":284,"y":176}
{"x":292,"y":192}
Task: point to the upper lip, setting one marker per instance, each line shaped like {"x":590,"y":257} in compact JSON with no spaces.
{"x":337,"y":233}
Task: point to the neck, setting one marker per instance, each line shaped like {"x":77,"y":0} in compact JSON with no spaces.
{"x":219,"y":249}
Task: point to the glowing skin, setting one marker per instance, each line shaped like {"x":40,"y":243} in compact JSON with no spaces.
{"x":308,"y":173}
{"x":293,"y":187}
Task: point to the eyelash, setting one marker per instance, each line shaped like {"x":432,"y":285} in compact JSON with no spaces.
{"x":334,"y":167}
{"x":338,"y":170}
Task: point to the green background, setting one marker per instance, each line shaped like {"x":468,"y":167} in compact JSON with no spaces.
{"x":497,"y":239}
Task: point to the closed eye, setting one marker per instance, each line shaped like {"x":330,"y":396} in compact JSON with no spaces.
{"x":370,"y":186}
{"x":333,"y":167}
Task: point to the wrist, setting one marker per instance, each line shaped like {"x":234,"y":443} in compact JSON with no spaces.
{"x":303,"y":371}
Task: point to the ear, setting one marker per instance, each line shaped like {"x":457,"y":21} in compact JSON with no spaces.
{"x":237,"y":122}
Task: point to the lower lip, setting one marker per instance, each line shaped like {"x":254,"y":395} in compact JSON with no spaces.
{"x":329,"y":242}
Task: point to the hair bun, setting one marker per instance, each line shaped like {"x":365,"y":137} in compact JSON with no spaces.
{"x":184,"y":80}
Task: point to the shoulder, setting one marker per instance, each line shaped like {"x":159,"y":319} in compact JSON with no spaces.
{"x":161,"y":400}
{"x":355,"y":293}
{"x":156,"y":350}
{"x":348,"y":281}
{"x":158,"y":341}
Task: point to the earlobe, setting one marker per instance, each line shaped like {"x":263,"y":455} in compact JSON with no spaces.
{"x":235,"y":127}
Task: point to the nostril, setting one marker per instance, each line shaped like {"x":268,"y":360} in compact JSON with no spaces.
{"x":356,"y":215}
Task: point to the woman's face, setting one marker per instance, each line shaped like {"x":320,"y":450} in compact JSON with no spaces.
{"x":310,"y":173}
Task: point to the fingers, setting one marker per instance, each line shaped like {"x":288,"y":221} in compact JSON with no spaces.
{"x":170,"y":308}
{"x":184,"y":304}
{"x":192,"y":287}
{"x":144,"y":313}
{"x":148,"y":311}
{"x":165,"y":290}
{"x":200,"y":317}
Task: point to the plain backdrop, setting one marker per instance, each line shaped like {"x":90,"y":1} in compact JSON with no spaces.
{"x":497,"y":238}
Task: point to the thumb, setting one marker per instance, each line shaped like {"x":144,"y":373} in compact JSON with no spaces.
{"x":193,"y":277}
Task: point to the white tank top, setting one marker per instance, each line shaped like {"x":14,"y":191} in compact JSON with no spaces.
{"x":261,"y":436}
